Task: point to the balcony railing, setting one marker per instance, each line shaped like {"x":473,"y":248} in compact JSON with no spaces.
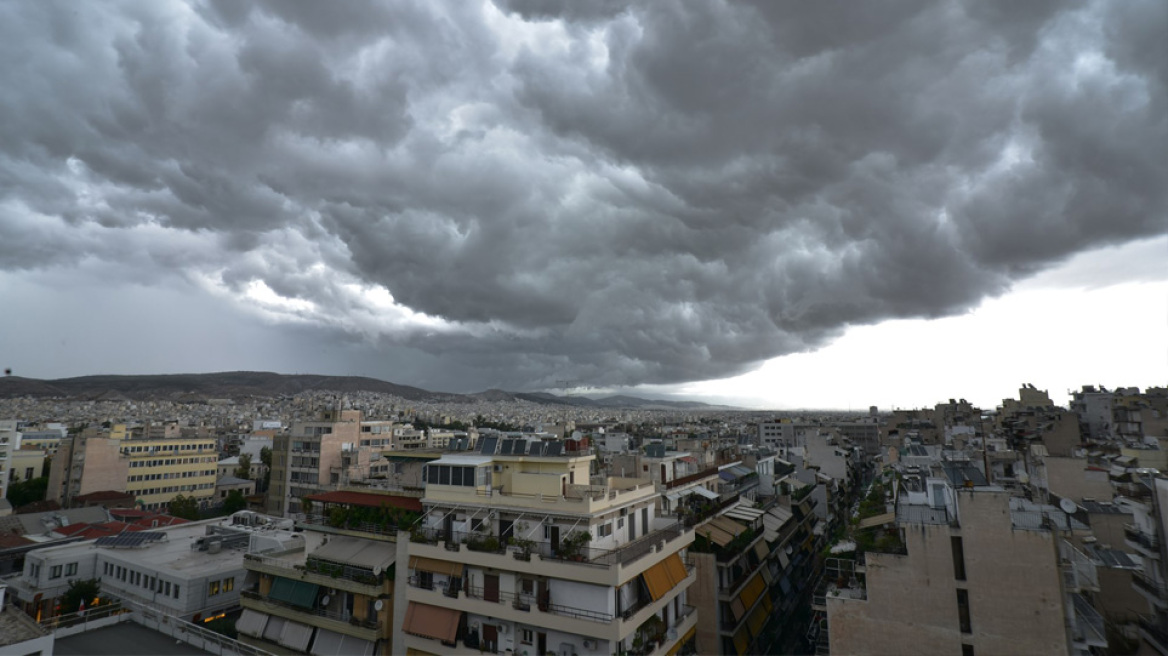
{"x":319,"y":612}
{"x":322,"y":568}
{"x":684,"y":480}
{"x":524,"y":601}
{"x":1150,"y":585}
{"x":1135,"y":534}
{"x":585,"y":555}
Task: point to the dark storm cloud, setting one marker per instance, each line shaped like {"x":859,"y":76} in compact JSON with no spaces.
{"x":602,"y":192}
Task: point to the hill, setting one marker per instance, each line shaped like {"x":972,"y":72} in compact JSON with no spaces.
{"x":263,"y":384}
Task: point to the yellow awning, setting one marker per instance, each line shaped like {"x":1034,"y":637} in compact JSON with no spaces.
{"x":758,"y":618}
{"x":661,"y":577}
{"x":738,"y":609}
{"x":676,"y":569}
{"x":444,"y":567}
{"x":741,"y":641}
{"x":752,"y":590}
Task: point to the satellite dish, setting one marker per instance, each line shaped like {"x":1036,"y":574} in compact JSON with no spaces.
{"x":1024,"y":478}
{"x":377,"y":570}
{"x":378,"y":605}
{"x":324,"y":601}
{"x":1068,"y":506}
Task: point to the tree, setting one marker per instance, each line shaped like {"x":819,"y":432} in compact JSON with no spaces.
{"x":234,"y":502}
{"x":23,"y":493}
{"x":244,"y":468}
{"x":79,"y":590}
{"x":184,"y":507}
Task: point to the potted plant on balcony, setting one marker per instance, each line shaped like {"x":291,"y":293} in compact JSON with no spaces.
{"x":521,"y":547}
{"x":572,"y":546}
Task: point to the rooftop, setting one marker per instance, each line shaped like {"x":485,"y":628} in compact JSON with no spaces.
{"x":16,"y":627}
{"x":123,"y":639}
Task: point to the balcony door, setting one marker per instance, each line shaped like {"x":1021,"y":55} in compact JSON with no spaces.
{"x":491,"y":588}
{"x":490,"y":638}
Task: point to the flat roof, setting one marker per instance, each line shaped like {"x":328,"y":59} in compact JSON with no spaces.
{"x":123,"y":639}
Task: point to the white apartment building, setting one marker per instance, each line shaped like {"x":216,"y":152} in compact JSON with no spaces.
{"x":191,"y":571}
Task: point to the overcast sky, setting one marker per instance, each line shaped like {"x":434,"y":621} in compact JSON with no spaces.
{"x":823,"y":204}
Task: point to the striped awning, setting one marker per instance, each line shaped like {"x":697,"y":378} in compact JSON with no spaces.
{"x":295,"y":636}
{"x":251,"y":623}
{"x":331,"y":643}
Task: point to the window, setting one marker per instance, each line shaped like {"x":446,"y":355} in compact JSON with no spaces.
{"x":963,"y":611}
{"x":213,"y":588}
{"x":526,"y":636}
{"x":55,"y":572}
{"x":958,"y":558}
{"x":71,"y":569}
{"x":966,"y":650}
{"x":228,"y":585}
{"x":166,"y":588}
{"x":176,"y":591}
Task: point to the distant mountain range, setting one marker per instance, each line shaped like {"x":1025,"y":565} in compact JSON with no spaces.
{"x":262,"y":384}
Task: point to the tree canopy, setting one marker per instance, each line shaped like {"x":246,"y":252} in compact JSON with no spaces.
{"x":184,"y":507}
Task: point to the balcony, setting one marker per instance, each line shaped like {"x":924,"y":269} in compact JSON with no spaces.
{"x":318,"y":617}
{"x":353,"y":579}
{"x":1139,"y":540}
{"x":625,"y":556}
{"x":529,"y":610}
{"x":1155,"y":591}
{"x":1155,"y":633}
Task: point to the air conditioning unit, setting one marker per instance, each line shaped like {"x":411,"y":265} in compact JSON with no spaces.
{"x":590,"y":644}
{"x":502,"y":629}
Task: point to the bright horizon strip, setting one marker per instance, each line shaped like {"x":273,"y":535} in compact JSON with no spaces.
{"x":1071,"y":326}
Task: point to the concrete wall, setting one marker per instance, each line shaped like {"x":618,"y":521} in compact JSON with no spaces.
{"x":1012,"y":580}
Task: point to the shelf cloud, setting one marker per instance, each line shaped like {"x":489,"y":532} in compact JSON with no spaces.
{"x":612,"y":193}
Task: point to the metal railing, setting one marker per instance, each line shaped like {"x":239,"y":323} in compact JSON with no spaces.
{"x":524,"y":601}
{"x":584,"y":555}
{"x":1135,"y":534}
{"x":1150,"y":585}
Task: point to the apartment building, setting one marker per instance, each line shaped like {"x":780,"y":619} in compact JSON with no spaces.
{"x":320,"y":455}
{"x":1145,"y":536}
{"x":753,"y":569}
{"x":333,"y":595}
{"x":192,"y":570}
{"x":154,"y":470}
{"x":522,"y":550}
{"x":971,"y":571}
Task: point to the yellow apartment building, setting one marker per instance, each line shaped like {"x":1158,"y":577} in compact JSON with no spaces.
{"x":153,"y":470}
